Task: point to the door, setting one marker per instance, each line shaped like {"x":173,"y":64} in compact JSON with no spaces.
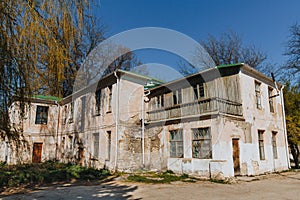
{"x":37,"y":152}
{"x":236,"y":156}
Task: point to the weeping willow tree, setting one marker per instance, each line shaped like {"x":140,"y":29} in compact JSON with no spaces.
{"x":42,"y":45}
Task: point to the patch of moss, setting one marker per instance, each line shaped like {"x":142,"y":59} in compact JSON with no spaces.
{"x":165,"y":177}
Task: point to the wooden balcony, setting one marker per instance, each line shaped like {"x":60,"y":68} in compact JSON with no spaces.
{"x":196,"y":108}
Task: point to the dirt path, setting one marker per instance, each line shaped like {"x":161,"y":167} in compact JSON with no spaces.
{"x":284,"y":186}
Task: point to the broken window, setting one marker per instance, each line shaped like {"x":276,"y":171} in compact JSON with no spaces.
{"x":274,"y":145}
{"x":41,"y":115}
{"x":176,"y":144}
{"x":258,"y":94}
{"x":202,"y":143}
{"x":98,"y":101}
{"x":271,"y":101}
{"x":96,"y":145}
{"x":261,"y":144}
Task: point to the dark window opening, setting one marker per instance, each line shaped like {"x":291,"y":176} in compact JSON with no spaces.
{"x":41,"y":115}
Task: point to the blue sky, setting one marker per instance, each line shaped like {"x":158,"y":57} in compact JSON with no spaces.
{"x":263,"y":23}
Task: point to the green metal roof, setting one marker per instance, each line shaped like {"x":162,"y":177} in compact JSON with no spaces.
{"x":50,"y":98}
{"x":229,"y":65}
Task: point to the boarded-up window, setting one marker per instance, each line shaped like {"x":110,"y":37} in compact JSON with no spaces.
{"x":176,"y":144}
{"x":258,"y":94}
{"x":98,"y":101}
{"x":96,"y":145}
{"x":41,"y":115}
{"x":202,"y":143}
{"x":271,"y":100}
{"x":274,"y":145}
{"x":261,"y":144}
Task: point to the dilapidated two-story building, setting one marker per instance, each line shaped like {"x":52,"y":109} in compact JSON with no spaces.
{"x":224,"y":121}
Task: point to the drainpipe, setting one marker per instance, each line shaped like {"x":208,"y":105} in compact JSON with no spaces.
{"x":143,"y":127}
{"x":57,"y":127}
{"x":284,"y":127}
{"x":117,"y":119}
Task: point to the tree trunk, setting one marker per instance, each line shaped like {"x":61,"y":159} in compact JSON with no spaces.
{"x":295,"y":152}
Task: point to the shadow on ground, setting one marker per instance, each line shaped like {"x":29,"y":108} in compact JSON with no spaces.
{"x":108,"y":190}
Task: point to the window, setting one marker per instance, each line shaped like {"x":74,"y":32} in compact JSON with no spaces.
{"x":160,"y":101}
{"x":261,"y":144}
{"x":98,"y":101}
{"x":258,"y":94}
{"x":202,"y":143}
{"x":65,"y":115}
{"x":71,"y":143}
{"x":108,"y":145}
{"x":176,"y":144}
{"x":274,"y":145}
{"x":109,"y":98}
{"x":196,"y":94}
{"x":271,"y":101}
{"x":96,"y":145}
{"x":177,"y":97}
{"x":82,"y":120}
{"x":71,"y":112}
{"x":41,"y":115}
{"x":174,"y":98}
{"x":199,"y":91}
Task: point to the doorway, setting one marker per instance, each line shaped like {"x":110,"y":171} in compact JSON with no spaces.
{"x":37,"y":152}
{"x":236,"y":156}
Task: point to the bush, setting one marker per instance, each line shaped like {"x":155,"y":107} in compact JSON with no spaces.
{"x":47,"y":172}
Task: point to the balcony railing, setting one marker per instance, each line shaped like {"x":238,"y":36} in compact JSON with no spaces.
{"x":196,"y":108}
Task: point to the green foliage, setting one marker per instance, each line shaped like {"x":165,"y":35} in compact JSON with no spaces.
{"x":165,"y":177}
{"x":47,"y":172}
{"x":292,"y":111}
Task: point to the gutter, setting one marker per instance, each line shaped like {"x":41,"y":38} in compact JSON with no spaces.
{"x":57,"y":127}
{"x":143,"y":127}
{"x":284,"y":127}
{"x":117,"y":121}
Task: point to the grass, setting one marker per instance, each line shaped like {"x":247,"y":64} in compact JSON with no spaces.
{"x":47,"y":172}
{"x":165,"y":177}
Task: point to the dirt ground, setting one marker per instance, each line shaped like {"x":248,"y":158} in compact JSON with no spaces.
{"x":275,"y":186}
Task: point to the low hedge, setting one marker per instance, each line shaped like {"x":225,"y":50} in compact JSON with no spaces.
{"x":47,"y":172}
